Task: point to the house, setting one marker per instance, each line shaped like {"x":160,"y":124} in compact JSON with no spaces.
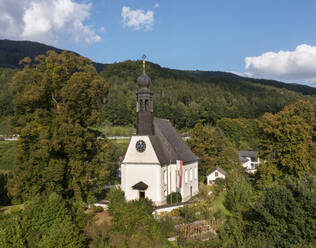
{"x":216,"y":173}
{"x":250,"y":160}
{"x":157,"y":161}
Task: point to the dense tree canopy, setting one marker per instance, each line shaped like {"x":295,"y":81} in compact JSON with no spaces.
{"x":186,"y":98}
{"x":286,"y":143}
{"x":286,"y":216}
{"x":213,"y":149}
{"x":57,"y":98}
{"x":45,"y":222}
{"x":133,"y":224}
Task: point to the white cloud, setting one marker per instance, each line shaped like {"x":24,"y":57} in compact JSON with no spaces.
{"x":48,"y":21}
{"x":156,"y":6}
{"x":297,"y":65}
{"x":137,"y":19}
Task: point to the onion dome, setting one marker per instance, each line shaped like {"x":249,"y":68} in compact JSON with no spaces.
{"x":143,"y":80}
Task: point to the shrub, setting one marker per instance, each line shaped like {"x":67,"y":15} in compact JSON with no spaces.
{"x":173,"y":197}
{"x":175,"y":212}
{"x":220,"y":181}
{"x":97,"y":209}
{"x":188,"y":214}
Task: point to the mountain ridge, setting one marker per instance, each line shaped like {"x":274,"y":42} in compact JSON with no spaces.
{"x":11,"y":52}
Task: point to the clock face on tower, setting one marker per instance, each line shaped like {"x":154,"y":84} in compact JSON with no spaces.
{"x":140,"y":146}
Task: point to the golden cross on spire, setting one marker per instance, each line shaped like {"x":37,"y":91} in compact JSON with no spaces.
{"x":144,"y":57}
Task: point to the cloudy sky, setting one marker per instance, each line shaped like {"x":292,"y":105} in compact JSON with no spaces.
{"x":265,"y":39}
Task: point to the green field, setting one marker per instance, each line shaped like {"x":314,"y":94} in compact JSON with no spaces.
{"x":7,"y":151}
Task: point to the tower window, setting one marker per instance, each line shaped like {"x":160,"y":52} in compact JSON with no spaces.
{"x":141,"y":106}
{"x":146,"y":105}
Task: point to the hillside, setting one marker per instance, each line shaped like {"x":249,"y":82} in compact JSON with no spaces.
{"x":187,"y":98}
{"x":11,"y":52}
{"x":304,"y":89}
{"x":184,"y":97}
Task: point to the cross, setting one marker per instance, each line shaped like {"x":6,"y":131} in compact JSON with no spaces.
{"x":144,"y":57}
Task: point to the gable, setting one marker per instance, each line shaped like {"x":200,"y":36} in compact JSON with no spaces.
{"x":148,"y":156}
{"x":220,"y":173}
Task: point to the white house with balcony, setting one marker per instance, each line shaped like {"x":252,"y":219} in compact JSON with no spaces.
{"x":250,"y":160}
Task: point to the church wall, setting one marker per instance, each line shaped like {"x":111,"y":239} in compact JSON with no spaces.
{"x":168,"y":181}
{"x":187,"y":184}
{"x":147,"y":157}
{"x":169,"y":185}
{"x":141,"y":166}
{"x":150,"y":174}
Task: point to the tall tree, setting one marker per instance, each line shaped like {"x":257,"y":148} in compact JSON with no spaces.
{"x":286,"y":142}
{"x":203,"y":145}
{"x":57,"y":98}
{"x":212,"y":148}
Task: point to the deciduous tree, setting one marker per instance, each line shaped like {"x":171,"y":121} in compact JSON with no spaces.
{"x":57,"y":98}
{"x":286,"y":143}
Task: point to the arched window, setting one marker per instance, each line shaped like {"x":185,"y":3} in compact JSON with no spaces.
{"x":141,"y":106}
{"x":146,"y":105}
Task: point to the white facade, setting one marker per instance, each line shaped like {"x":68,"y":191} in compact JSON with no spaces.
{"x":214,"y":175}
{"x":188,"y":186}
{"x":161,"y":180}
{"x":251,"y":165}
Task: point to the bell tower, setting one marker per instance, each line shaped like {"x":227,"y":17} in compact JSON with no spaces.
{"x":144,"y":104}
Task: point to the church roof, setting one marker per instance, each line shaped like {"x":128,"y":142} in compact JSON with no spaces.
{"x":168,"y":144}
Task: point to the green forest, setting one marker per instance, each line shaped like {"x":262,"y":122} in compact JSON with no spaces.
{"x":63,"y":109}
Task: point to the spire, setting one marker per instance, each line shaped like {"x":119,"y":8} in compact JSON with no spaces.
{"x":144,"y":62}
{"x":144,"y":101}
{"x":143,"y":80}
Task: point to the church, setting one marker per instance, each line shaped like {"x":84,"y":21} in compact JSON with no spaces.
{"x":157,"y":161}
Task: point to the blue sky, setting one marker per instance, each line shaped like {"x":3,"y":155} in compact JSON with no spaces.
{"x":276,"y":37}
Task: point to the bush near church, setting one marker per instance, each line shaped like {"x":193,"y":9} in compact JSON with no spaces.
{"x":172,"y":198}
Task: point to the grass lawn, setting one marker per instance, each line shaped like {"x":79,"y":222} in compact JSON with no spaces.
{"x":7,"y":151}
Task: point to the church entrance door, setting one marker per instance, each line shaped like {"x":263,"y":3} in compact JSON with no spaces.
{"x":141,"y":194}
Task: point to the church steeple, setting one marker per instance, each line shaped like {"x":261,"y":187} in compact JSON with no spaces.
{"x":144,"y":104}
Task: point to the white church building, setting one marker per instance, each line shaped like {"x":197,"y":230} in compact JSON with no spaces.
{"x":157,"y":161}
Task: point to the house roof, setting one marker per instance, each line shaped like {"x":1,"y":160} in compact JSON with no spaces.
{"x":168,"y":144}
{"x":220,"y":170}
{"x":140,"y":186}
{"x":243,"y":155}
